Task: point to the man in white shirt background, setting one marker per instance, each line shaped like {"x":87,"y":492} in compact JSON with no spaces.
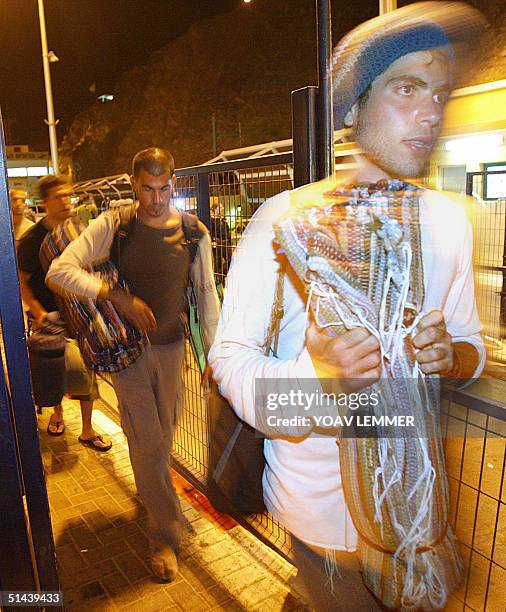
{"x":392,"y":78}
{"x":19,"y":219}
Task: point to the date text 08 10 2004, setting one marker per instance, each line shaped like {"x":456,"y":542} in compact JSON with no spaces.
{"x":31,"y":598}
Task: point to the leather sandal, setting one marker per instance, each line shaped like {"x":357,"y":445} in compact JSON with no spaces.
{"x":59,"y":428}
{"x":97,"y":443}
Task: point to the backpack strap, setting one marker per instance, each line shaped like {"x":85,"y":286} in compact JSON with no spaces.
{"x":192,"y":233}
{"x":123,"y":223}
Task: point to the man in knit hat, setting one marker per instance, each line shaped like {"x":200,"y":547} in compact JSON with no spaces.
{"x":392,"y":79}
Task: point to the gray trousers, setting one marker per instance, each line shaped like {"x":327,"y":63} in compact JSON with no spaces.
{"x":150,"y":394}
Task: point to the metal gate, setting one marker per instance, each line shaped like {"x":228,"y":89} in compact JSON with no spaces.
{"x":27,"y":557}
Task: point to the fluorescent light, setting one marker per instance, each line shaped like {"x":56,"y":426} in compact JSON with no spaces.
{"x":472,"y":144}
{"x":16,"y":172}
{"x":36,"y":170}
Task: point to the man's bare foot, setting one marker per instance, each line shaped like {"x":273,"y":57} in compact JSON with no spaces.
{"x":164,"y":563}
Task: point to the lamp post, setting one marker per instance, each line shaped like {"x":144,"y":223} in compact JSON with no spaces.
{"x":385,"y":6}
{"x":47,"y":58}
{"x":324,"y":100}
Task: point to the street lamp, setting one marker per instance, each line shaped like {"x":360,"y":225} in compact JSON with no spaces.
{"x":47,"y":58}
{"x":385,"y":6}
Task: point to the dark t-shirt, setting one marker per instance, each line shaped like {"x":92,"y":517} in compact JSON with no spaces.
{"x":28,"y":262}
{"x":155,"y":263}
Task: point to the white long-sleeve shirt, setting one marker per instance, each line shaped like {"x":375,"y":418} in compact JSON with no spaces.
{"x":72,"y":271}
{"x":302,"y":482}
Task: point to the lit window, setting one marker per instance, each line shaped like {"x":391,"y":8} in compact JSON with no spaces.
{"x":37,"y":171}
{"x":15,"y":172}
{"x":495,"y":184}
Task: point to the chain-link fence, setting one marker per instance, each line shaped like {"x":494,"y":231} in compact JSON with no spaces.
{"x":489,"y":229}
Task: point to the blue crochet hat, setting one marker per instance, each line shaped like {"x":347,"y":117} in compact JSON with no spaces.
{"x":368,"y":50}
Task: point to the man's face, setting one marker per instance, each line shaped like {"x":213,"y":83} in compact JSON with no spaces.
{"x":58,"y":204}
{"x":18,"y":203}
{"x":398,"y":124}
{"x":153,"y":192}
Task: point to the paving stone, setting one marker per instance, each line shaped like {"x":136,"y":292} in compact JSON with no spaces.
{"x":120,"y":532}
{"x":70,"y":487}
{"x":216,"y":596}
{"x":152,"y":602}
{"x":201,"y":525}
{"x":61,"y":535}
{"x":95,"y":483}
{"x":123,"y":471}
{"x":185,"y":597}
{"x":132,"y":566}
{"x":238,"y":581}
{"x":109,"y":506}
{"x":196,"y":575}
{"x":229,"y":606}
{"x":120,"y":589}
{"x":59,"y":500}
{"x":74,"y":599}
{"x":191,"y":514}
{"x":95,"y":555}
{"x":125,"y":517}
{"x":84,"y":537}
{"x":229,"y":564}
{"x":97,"y":496}
{"x":69,"y":558}
{"x":138,"y":542}
{"x":97,"y":521}
{"x":259,"y":591}
{"x":210,"y":554}
{"x":76,"y":511}
{"x":208,"y":538}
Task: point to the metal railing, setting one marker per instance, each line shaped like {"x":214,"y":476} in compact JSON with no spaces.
{"x":225,"y":195}
{"x":474,"y":433}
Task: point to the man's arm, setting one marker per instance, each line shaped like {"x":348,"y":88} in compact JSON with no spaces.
{"x":70,"y":272}
{"x":447,"y":337}
{"x":130,"y":306}
{"x":36,"y":309}
{"x":237,"y":354}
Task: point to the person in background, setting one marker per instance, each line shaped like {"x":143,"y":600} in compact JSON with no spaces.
{"x":19,"y":219}
{"x":157,"y":263}
{"x":55,"y":192}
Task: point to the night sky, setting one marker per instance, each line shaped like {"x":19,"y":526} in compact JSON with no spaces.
{"x":96,"y":41}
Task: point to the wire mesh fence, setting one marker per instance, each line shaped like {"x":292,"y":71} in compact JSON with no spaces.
{"x":489,"y":230}
{"x":235,"y":193}
{"x":475,"y":463}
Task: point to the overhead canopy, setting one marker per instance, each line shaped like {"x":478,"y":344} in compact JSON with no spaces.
{"x":112,"y":187}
